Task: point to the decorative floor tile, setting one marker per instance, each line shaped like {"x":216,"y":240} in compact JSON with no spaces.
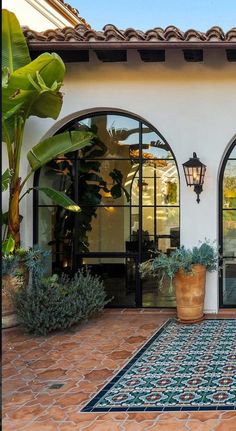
{"x":182,"y":367}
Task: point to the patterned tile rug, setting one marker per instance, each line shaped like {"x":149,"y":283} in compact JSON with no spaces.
{"x":182,"y":367}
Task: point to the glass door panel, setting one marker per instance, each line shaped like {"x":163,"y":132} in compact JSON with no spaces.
{"x":160,"y":226}
{"x":229,"y":281}
{"x":126,"y":184}
{"x":228,"y":231}
{"x":119,"y":275}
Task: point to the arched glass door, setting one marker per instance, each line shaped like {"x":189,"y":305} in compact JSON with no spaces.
{"x":127,"y":186}
{"x":228,"y":229}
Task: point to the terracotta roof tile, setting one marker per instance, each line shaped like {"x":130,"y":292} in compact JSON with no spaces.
{"x":110,"y":33}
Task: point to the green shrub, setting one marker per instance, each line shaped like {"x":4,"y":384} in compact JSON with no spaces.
{"x":58,"y":303}
{"x":34,"y":260}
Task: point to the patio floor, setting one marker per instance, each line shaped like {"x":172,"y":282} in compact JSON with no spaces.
{"x":82,"y":361}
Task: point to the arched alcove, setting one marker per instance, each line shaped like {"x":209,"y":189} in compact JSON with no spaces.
{"x":127,"y":186}
{"x":227,"y":228}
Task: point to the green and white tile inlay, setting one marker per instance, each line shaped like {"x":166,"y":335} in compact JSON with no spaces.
{"x":182,"y":367}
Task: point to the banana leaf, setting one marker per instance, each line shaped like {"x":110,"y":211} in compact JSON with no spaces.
{"x":57,"y":145}
{"x":60,"y":198}
{"x":8,"y":245}
{"x":5,"y":76}
{"x":47,"y":105}
{"x":42,"y":72}
{"x":6,"y":179}
{"x":34,"y":89}
{"x":15,"y":51}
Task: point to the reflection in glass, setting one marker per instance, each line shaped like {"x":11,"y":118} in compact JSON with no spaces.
{"x":229,"y":229}
{"x":229,"y":232}
{"x":129,"y":202}
{"x":115,"y":135}
{"x":105,"y":174}
{"x":233,"y":153}
{"x":119,"y":277}
{"x":158,"y":292}
{"x":56,"y":234}
{"x":229,"y":281}
{"x":108,"y":230}
{"x":162,"y":221}
{"x":229,"y":184}
{"x":59,"y":175}
{"x":167,"y":220}
{"x":154,"y":146}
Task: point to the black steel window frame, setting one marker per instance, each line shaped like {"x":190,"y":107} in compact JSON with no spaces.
{"x":221,"y":231}
{"x":140,"y":160}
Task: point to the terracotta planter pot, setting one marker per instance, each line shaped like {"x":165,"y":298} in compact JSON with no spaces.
{"x":10,"y":284}
{"x":190,"y":294}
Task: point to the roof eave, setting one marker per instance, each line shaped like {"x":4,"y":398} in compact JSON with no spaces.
{"x":77,"y":45}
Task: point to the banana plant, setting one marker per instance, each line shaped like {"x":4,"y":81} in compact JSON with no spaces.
{"x":31,"y":88}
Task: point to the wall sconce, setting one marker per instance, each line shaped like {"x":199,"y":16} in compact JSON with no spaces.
{"x":194,"y":172}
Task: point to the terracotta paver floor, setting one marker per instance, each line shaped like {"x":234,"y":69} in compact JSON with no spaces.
{"x":83,"y":360}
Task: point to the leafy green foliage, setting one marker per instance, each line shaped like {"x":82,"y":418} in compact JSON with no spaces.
{"x":34,"y":88}
{"x":52,"y":147}
{"x":59,"y":198}
{"x":30,"y":88}
{"x":33,"y":259}
{"x":8,"y":245}
{"x":117,"y":187}
{"x":58,"y":303}
{"x":90,"y":187}
{"x":205,"y":254}
{"x":6,"y":176}
{"x":15,"y":51}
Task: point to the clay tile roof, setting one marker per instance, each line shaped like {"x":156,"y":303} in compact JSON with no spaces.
{"x":193,"y":35}
{"x":111,"y":32}
{"x":131,"y":37}
{"x":231,"y":35}
{"x":155,"y":34}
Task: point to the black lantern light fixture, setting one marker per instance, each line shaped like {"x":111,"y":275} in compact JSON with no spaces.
{"x":194,"y":172}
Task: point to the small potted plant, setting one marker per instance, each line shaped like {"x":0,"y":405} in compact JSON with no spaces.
{"x":186,"y":269}
{"x":17,"y":266}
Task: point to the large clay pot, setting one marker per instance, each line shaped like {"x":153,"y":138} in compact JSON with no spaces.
{"x":11,"y":283}
{"x":190,"y":294}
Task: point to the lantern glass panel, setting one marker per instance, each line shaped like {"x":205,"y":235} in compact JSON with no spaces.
{"x":203,"y":170}
{"x":187,"y":175}
{"x":196,"y":175}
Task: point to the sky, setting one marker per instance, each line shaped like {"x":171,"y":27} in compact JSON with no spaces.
{"x":146,"y":14}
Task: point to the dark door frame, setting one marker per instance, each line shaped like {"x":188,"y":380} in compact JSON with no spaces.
{"x":221,"y":233}
{"x":139,"y":255}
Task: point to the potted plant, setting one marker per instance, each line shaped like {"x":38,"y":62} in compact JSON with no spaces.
{"x":17,"y":265}
{"x":186,"y":269}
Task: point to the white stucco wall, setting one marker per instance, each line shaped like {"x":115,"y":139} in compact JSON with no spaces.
{"x":191,"y":104}
{"x":36,"y":14}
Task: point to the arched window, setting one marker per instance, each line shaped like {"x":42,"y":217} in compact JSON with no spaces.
{"x":127,"y":186}
{"x":228,"y":229}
